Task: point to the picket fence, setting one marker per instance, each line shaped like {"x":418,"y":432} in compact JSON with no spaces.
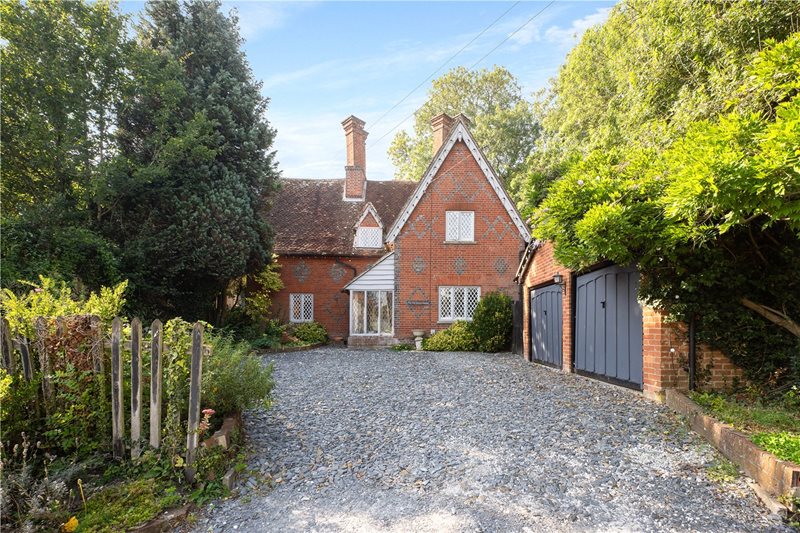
{"x":16,"y":348}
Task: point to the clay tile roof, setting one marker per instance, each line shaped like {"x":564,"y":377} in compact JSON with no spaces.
{"x":310,"y":217}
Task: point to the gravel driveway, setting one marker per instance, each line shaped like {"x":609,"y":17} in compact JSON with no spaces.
{"x":400,"y":441}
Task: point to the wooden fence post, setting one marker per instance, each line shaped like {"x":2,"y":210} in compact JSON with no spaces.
{"x":44,"y":360}
{"x":97,"y":345}
{"x":194,"y":398}
{"x":156,"y":348}
{"x":136,"y":387}
{"x":7,"y":348}
{"x":117,"y":418}
{"x":25,"y":355}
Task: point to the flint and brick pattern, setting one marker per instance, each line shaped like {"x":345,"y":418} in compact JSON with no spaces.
{"x":425,"y":262}
{"x":331,"y":305}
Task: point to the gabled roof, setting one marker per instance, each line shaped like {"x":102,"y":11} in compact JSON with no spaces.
{"x":309,"y":216}
{"x":369,"y":209}
{"x":530,"y":250}
{"x":459,"y":132}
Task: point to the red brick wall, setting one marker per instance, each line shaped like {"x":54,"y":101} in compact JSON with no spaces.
{"x":540,"y":272}
{"x":369,"y":222}
{"x":324,"y":278}
{"x":424,"y":261}
{"x":666,"y":356}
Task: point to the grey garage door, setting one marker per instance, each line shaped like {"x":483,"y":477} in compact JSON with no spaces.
{"x":546,"y":325}
{"x":608,"y":326}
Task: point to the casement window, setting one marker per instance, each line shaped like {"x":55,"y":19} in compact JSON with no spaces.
{"x":460,"y":226}
{"x":372,"y":312}
{"x":301,"y":307}
{"x":458,"y":303}
{"x":368,"y":238}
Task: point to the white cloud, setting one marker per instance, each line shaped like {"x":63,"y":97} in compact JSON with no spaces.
{"x":256,"y":18}
{"x":569,"y":36}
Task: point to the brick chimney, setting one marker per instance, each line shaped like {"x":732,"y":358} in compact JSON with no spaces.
{"x":441,"y":129}
{"x":355,"y":182}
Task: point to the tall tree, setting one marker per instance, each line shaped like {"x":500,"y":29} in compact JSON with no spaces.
{"x":63,"y":63}
{"x":674,"y":131}
{"x":196,"y":166}
{"x":503,"y":122}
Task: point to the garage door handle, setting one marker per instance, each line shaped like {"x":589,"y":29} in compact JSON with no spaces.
{"x":545,"y":313}
{"x":603,"y":304}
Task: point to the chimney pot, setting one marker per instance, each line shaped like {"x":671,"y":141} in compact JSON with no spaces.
{"x":356,"y":168}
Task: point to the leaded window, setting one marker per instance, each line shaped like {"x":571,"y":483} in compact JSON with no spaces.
{"x":460,"y":226}
{"x":458,"y":303}
{"x":301,"y":307}
{"x":369,"y":237}
{"x":371,"y":312}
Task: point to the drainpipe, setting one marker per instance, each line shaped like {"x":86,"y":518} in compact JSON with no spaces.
{"x":692,"y":353}
{"x":351,"y":267}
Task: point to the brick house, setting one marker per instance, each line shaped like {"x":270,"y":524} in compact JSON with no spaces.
{"x":592,"y":323}
{"x":375,"y":260}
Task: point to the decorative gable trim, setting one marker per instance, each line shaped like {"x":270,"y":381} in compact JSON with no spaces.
{"x":458,"y":133}
{"x":369,"y":209}
{"x":525,"y":262}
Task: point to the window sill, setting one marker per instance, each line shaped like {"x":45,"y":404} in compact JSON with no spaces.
{"x":460,"y":242}
{"x":453,"y":320}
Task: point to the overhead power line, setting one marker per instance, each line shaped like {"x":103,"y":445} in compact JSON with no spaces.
{"x":509,"y":36}
{"x":412,"y":91}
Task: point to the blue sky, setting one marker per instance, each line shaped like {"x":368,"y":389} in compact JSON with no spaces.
{"x":323,"y":61}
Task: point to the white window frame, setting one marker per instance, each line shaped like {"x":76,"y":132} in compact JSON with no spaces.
{"x":456,"y":217}
{"x":303,"y":297}
{"x":449,"y":315}
{"x":363,"y":238}
{"x":380,"y":314}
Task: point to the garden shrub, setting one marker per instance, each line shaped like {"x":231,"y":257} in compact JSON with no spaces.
{"x":51,"y":298}
{"x":235,"y":379}
{"x":457,"y":338}
{"x":492,"y":322}
{"x":311,"y":332}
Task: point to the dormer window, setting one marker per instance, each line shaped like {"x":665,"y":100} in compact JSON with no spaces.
{"x":369,"y":229}
{"x":369,"y":237}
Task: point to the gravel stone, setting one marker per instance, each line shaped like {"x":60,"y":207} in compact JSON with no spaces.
{"x":376,"y":440}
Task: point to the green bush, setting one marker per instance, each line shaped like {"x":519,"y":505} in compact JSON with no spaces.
{"x":457,"y":338}
{"x":234,"y":378}
{"x":492,"y":322}
{"x":311,"y":332}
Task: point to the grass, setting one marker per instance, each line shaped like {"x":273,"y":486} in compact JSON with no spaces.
{"x":774,"y":428}
{"x":124,"y":505}
{"x":751,"y":417}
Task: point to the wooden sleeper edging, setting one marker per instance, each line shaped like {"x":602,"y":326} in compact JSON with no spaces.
{"x":776,"y":477}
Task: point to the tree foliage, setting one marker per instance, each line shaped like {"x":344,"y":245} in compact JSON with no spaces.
{"x":147,"y":158}
{"x":502,"y":121}
{"x":672,"y":144}
{"x":63,"y":63}
{"x":195,"y":165}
